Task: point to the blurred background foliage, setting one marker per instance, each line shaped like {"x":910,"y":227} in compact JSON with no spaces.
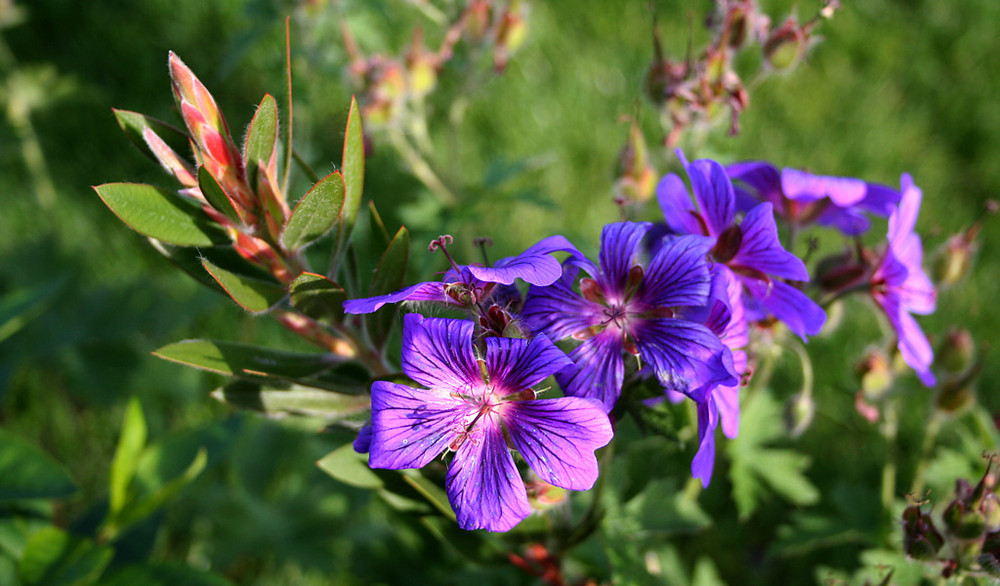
{"x":894,"y":86}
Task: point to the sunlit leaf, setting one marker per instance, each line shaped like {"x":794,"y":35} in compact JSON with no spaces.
{"x":27,"y":472}
{"x":251,"y":294}
{"x":239,"y":359}
{"x":160,"y":214}
{"x":316,"y":213}
{"x":295,"y":399}
{"x":262,"y":135}
{"x":52,"y":557}
{"x":130,"y":446}
{"x":350,"y":467}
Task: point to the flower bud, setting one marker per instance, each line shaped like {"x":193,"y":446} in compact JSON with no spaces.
{"x":874,"y":374}
{"x":421,"y":67}
{"x":957,"y":352}
{"x":478,"y":17}
{"x":991,"y":512}
{"x":921,"y":540}
{"x":786,"y":45}
{"x":952,"y":260}
{"x":511,"y":33}
{"x":799,"y":412}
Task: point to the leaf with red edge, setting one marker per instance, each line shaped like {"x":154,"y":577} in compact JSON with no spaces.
{"x":251,"y":294}
{"x":316,"y":213}
{"x":318,"y":297}
{"x":160,"y":214}
{"x":262,"y":135}
{"x":133,"y":124}
{"x":216,"y":195}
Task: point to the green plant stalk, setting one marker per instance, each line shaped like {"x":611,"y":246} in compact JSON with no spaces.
{"x":422,"y":169}
{"x":930,"y":438}
{"x":890,"y":430}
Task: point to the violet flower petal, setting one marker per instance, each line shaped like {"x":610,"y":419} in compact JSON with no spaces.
{"x":713,"y":191}
{"x":483,"y":484}
{"x":800,"y":313}
{"x":559,"y":311}
{"x":600,"y":369}
{"x":437,"y":353}
{"x":620,"y":247}
{"x":760,"y":248}
{"x":678,"y":274}
{"x":410,"y":426}
{"x":515,"y":365}
{"x":430,"y":291}
{"x":685,"y":356}
{"x":678,"y":209}
{"x":802,"y":186}
{"x":557,"y":437}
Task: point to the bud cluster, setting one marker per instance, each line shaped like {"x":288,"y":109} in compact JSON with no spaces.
{"x":968,"y":543}
{"x":696,"y":91}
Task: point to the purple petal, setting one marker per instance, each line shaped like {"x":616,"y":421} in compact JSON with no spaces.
{"x":727,"y":399}
{"x":678,"y":274}
{"x":559,"y":311}
{"x":912,"y":343}
{"x":678,"y":209}
{"x":685,"y":356}
{"x":713,"y":191}
{"x":760,"y":248}
{"x":763,"y":178}
{"x":795,"y":308}
{"x":483,"y":484}
{"x":850,"y":221}
{"x":879,"y":199}
{"x":535,"y":269}
{"x":437,"y":353}
{"x":515,"y":364}
{"x":599,"y":371}
{"x":904,"y":219}
{"x":802,"y":186}
{"x":411,"y":426}
{"x":549,"y":245}
{"x":620,"y":247}
{"x":431,"y":291}
{"x":363,"y":442}
{"x":557,"y":437}
{"x":704,"y":460}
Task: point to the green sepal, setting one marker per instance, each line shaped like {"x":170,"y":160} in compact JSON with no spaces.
{"x":160,"y":214}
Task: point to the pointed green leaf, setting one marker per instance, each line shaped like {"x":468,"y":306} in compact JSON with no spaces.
{"x":189,"y":259}
{"x":126,"y":460}
{"x":240,"y":359}
{"x":316,"y":213}
{"x":216,"y":195}
{"x":52,"y":557}
{"x":353,"y":167}
{"x":318,"y":297}
{"x":251,"y":294}
{"x":430,"y":491}
{"x":27,"y":472}
{"x":20,"y":306}
{"x":148,"y":504}
{"x":160,"y":214}
{"x":379,"y":235}
{"x":295,"y":399}
{"x":350,"y":467}
{"x":262,"y":135}
{"x":389,"y":276}
{"x":133,"y":124}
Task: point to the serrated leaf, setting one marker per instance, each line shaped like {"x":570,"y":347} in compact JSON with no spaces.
{"x":160,"y":214}
{"x":262,"y":135}
{"x":295,"y":399}
{"x":318,"y":297}
{"x":133,"y":124}
{"x":758,"y":468}
{"x":216,"y":195}
{"x":131,"y":443}
{"x":52,"y":557}
{"x":233,"y":359}
{"x":316,"y":213}
{"x":251,"y":294}
{"x":27,"y":472}
{"x":350,"y":467}
{"x":390,"y":275}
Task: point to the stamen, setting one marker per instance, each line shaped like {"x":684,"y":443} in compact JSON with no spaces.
{"x":443,"y":242}
{"x":482,"y":243}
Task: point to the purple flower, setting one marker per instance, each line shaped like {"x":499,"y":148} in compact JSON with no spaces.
{"x":466,"y":285}
{"x":723,"y":314}
{"x":625,"y":305}
{"x":750,"y":249}
{"x":471,"y":406}
{"x":801,"y":198}
{"x":900,"y":286}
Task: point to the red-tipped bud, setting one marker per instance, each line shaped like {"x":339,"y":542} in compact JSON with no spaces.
{"x":478,"y":18}
{"x":953,"y":259}
{"x":421,"y":67}
{"x":182,"y":170}
{"x":786,"y":45}
{"x":874,"y":374}
{"x":511,"y":33}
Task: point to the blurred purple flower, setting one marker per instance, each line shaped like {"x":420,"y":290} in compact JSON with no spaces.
{"x":900,"y":286}
{"x":471,"y":406}
{"x":750,"y":249}
{"x":801,"y":198}
{"x":624,"y":305}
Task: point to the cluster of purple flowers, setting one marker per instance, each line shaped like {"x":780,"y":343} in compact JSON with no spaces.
{"x":672,"y":302}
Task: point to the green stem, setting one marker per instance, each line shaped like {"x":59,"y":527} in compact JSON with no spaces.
{"x":422,"y":169}
{"x":890,"y":429}
{"x":930,"y":438}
